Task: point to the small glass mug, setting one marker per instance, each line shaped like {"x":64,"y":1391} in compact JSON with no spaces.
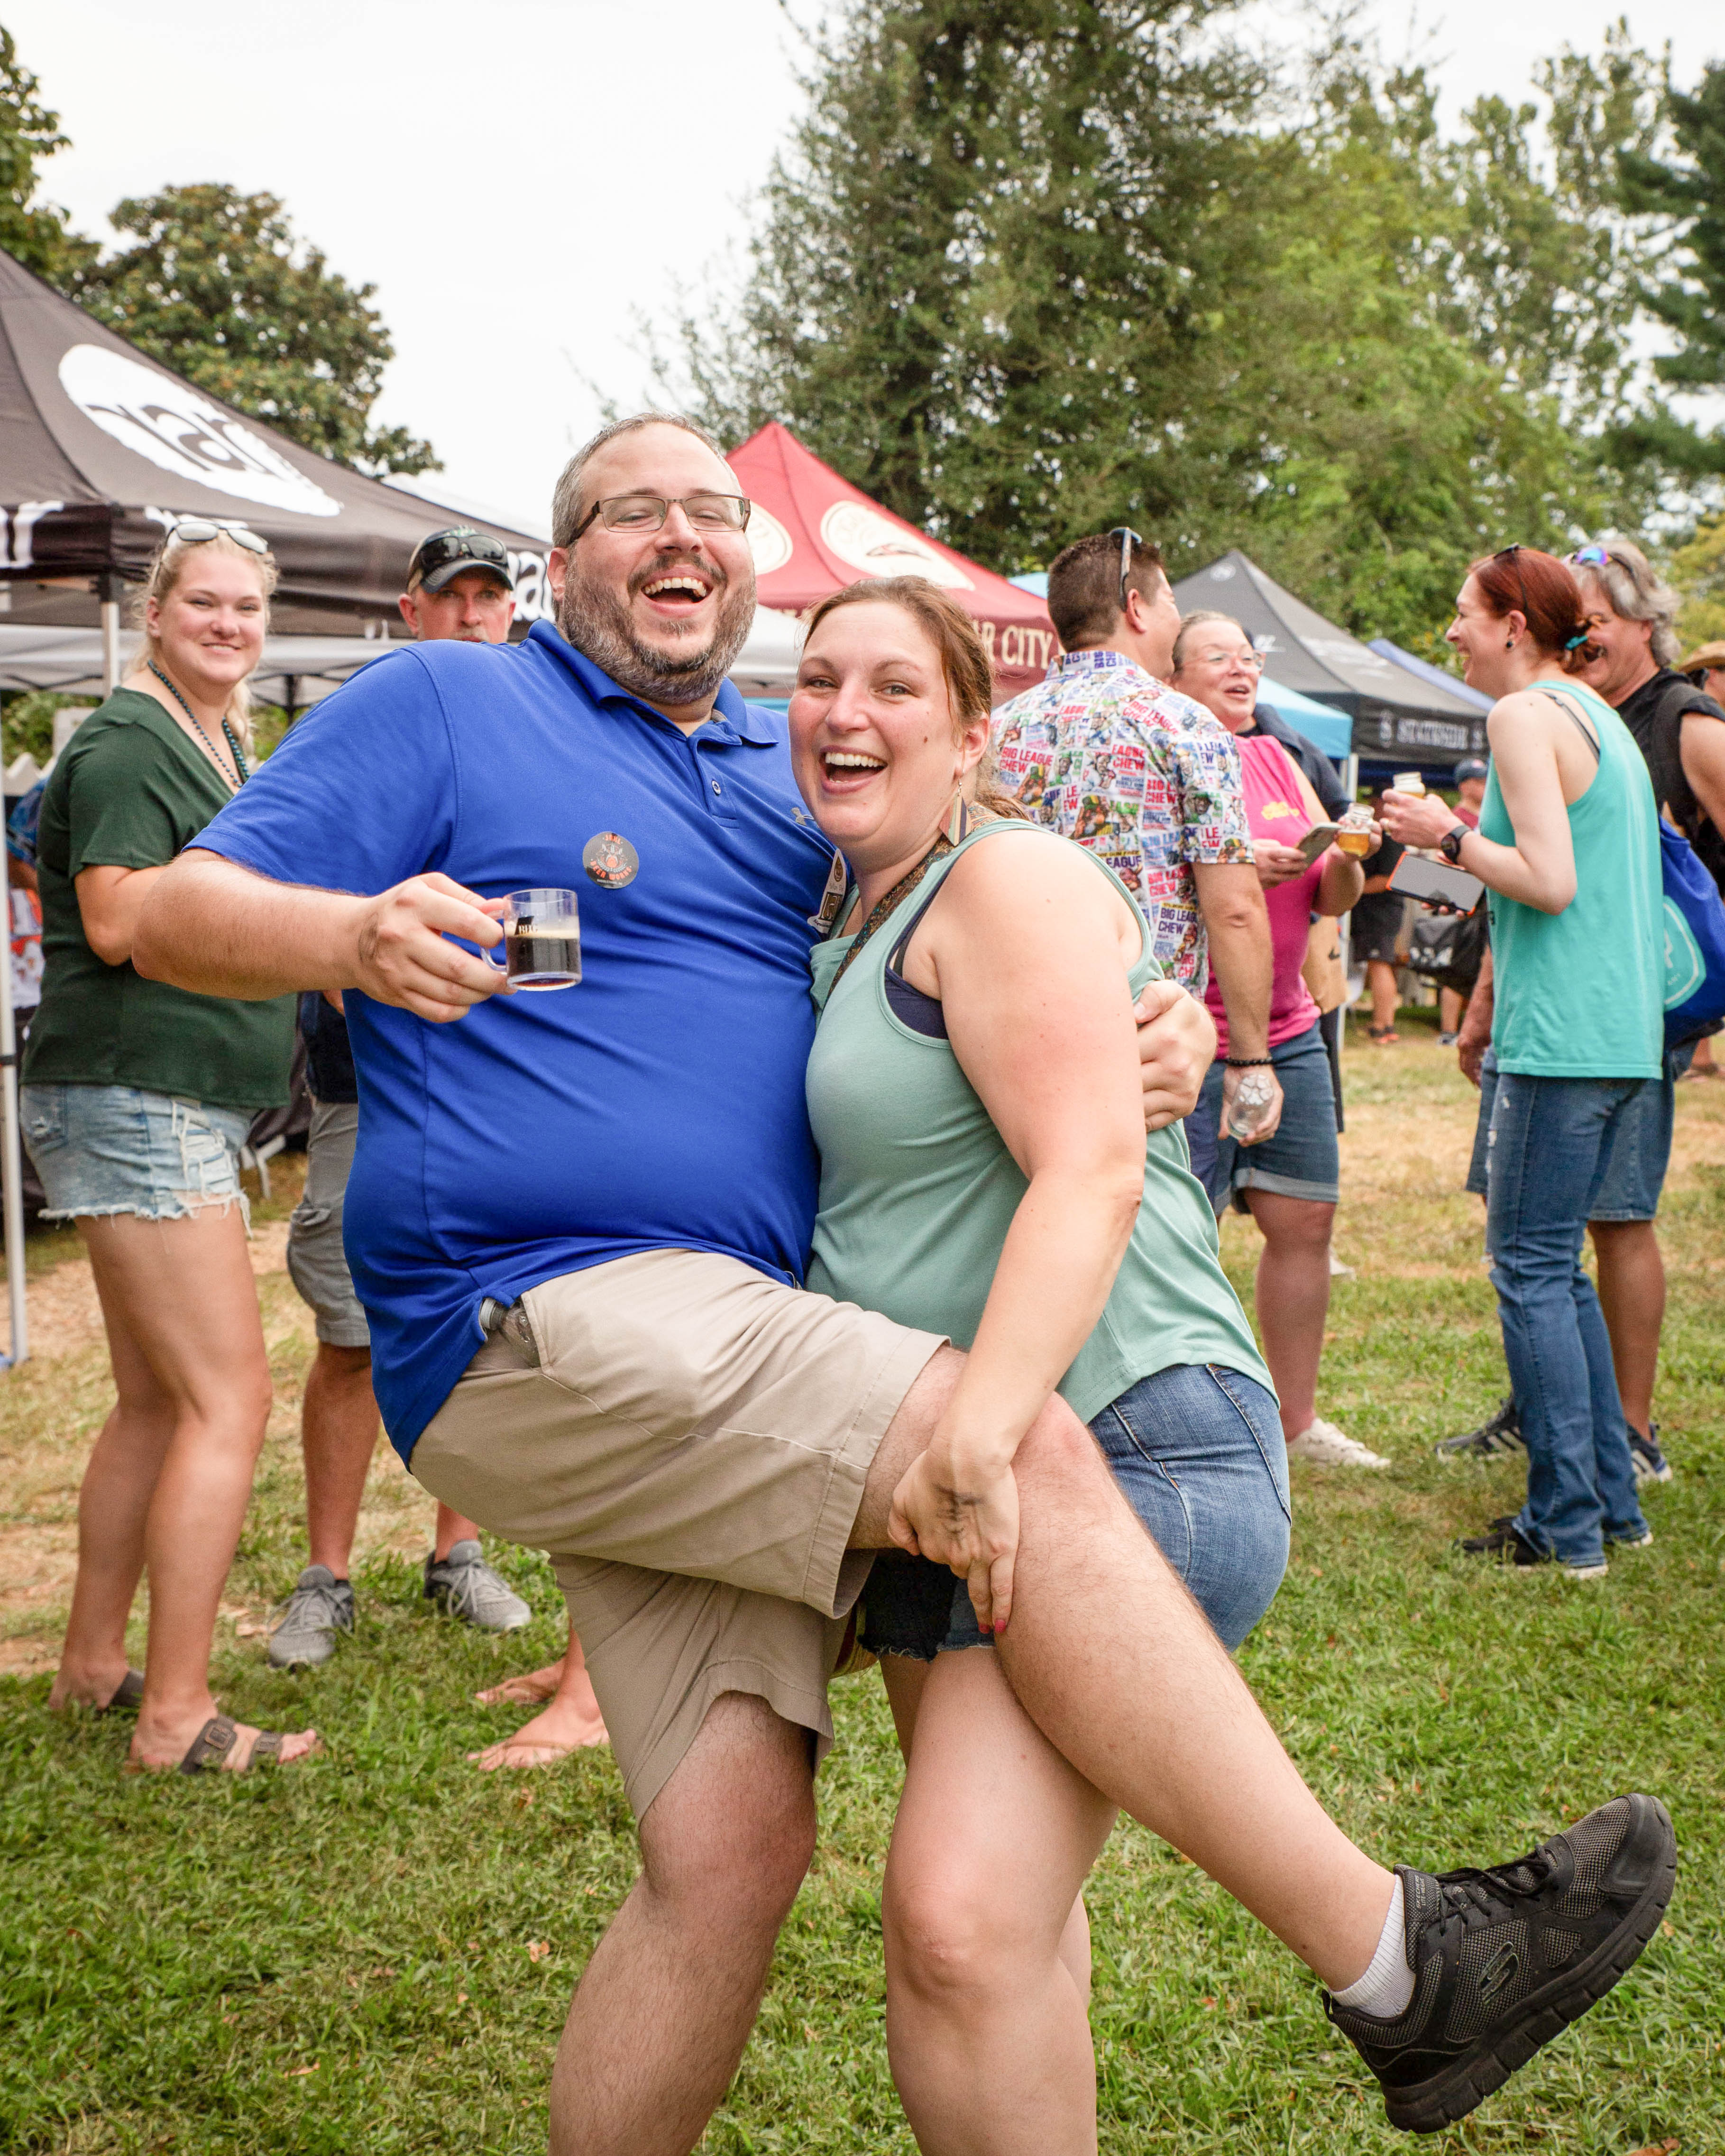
{"x":1409,"y":781}
{"x":1355,"y":836}
{"x":541,"y":940}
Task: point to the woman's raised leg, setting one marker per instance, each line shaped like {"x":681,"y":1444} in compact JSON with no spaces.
{"x":987,"y":2025}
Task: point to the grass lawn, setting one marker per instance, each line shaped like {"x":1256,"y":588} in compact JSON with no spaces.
{"x":373,"y":1952}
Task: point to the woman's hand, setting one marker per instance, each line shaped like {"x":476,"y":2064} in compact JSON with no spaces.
{"x":1177,"y":1045}
{"x":1417,"y":819}
{"x":967,"y":1521}
{"x":1276,"y":863}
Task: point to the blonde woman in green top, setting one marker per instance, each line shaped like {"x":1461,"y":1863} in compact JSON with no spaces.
{"x":136,"y":1099}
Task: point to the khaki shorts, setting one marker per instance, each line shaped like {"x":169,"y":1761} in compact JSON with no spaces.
{"x":689,"y":1440}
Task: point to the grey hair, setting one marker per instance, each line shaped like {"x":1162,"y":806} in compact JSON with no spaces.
{"x":566,"y":496}
{"x":1196,"y":619}
{"x":1635,"y":593}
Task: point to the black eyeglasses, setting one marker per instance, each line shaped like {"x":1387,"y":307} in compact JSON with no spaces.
{"x":193,"y":532}
{"x":647,"y":512}
{"x":1128,"y":539}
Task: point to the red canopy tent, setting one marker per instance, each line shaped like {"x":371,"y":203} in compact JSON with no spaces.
{"x":812,"y":532}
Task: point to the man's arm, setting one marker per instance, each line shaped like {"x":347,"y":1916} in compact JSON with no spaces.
{"x":1237,"y":921}
{"x":1702,"y":746}
{"x":213,"y":927}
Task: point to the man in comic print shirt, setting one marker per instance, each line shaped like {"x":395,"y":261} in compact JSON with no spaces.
{"x":1104,"y":752}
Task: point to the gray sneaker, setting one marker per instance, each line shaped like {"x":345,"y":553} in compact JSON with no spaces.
{"x":320,"y":1607}
{"x":464,"y":1585}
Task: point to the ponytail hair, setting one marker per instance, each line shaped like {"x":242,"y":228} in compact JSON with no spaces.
{"x":1543,"y":591}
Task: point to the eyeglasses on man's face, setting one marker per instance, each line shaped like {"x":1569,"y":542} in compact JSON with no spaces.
{"x":647,"y":512}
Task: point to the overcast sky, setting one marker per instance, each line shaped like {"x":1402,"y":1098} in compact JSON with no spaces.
{"x":519,"y":178}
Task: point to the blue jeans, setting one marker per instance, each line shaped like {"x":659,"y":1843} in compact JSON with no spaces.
{"x":1552,"y":1141}
{"x":1198,"y":1452}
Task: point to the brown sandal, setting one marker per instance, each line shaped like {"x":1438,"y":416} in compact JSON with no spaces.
{"x":128,"y":1695}
{"x":217,"y":1738}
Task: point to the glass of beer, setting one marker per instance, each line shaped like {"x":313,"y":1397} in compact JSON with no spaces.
{"x":1409,"y":781}
{"x":1355,"y":835}
{"x":541,"y":940}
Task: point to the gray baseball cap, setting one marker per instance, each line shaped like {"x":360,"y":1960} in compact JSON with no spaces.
{"x":441,"y":556}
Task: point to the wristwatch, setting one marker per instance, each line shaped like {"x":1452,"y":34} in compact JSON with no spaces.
{"x":1449,"y":845}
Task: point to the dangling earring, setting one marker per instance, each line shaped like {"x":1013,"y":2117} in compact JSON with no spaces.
{"x":958,"y":822}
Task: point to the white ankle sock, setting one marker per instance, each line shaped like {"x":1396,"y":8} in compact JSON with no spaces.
{"x":1388,"y":1983}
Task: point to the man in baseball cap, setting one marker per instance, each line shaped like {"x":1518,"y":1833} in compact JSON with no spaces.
{"x":1470,"y":779}
{"x":461,"y":587}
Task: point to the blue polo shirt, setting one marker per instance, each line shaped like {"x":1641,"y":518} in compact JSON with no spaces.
{"x":659,"y":1103}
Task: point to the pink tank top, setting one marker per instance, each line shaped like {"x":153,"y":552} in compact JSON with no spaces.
{"x":1275,"y":810}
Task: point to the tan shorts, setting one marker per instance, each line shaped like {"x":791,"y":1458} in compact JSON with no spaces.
{"x":689,"y":1440}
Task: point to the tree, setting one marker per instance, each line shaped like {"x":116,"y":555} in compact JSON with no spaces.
{"x":1038,"y":266}
{"x":1687,"y":191}
{"x":215,"y":285}
{"x":1697,"y":569}
{"x":35,"y":232}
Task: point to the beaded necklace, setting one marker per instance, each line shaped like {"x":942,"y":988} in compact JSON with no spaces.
{"x":227,"y":731}
{"x":965,"y":818}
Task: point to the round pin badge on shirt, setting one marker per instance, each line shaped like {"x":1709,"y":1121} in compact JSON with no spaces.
{"x":610,"y":860}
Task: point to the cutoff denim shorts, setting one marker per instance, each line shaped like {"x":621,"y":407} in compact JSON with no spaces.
{"x":1200,"y":1454}
{"x":1300,"y":1159}
{"x":105,"y":1149}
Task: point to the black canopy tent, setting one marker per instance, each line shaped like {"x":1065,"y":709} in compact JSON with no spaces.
{"x":102,"y":450}
{"x":1402,"y":720}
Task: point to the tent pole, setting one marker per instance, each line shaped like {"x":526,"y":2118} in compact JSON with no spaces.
{"x":111,"y":588}
{"x":12,"y":1157}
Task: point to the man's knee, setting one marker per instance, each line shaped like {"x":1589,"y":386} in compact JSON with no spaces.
{"x":729,"y":1838}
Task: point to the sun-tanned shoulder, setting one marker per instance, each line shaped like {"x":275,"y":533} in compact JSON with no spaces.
{"x":1009,"y":884}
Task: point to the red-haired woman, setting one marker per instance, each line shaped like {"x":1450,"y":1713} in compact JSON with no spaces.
{"x":1567,"y":845}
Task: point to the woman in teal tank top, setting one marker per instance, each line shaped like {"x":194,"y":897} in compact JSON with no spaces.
{"x":1568,"y":848}
{"x":986,"y":1174}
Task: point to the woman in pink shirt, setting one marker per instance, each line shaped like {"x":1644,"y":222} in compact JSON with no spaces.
{"x":1290,"y":1182}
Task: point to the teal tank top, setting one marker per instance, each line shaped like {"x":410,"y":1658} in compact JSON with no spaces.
{"x":1581,"y":993}
{"x":917,"y":1189}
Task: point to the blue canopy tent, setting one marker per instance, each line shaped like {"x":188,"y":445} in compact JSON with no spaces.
{"x":1426,"y":672}
{"x":1323,"y":724}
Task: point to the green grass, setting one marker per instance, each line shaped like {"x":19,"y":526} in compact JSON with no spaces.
{"x":176,"y":1954}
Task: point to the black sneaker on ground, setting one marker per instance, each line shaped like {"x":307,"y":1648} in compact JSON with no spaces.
{"x":1650,"y":1464}
{"x":1503,"y":1540}
{"x":1501,"y":1434}
{"x":1504,"y":1959}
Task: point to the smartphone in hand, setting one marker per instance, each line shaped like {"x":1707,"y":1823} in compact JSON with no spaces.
{"x":1435,"y":884}
{"x":1320,"y":837}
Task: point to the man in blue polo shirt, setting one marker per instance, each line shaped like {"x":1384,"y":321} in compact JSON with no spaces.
{"x":578,"y":1221}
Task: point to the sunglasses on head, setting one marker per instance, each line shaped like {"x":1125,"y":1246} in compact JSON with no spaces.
{"x":194,"y":532}
{"x":1590,"y":557}
{"x":1128,"y":539}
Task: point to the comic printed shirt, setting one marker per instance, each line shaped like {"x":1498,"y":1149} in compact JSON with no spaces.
{"x":1105,"y":753}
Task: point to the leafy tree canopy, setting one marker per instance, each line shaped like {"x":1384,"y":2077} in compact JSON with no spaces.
{"x":215,"y":285}
{"x":1030,"y":267}
{"x":35,"y":232}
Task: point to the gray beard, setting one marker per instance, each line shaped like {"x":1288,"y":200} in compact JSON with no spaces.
{"x":596,"y":622}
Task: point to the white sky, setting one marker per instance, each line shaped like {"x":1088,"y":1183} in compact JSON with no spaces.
{"x":519,"y":179}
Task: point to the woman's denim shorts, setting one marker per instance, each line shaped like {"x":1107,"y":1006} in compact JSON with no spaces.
{"x":1199,"y":1453}
{"x":1301,"y":1158}
{"x":106,"y":1149}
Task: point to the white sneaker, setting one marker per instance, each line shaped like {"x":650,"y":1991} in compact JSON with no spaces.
{"x":1325,"y":1446}
{"x":1337,"y":1269}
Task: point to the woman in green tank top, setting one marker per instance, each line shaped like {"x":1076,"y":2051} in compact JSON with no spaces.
{"x":1568,"y":847}
{"x":985,"y":1173}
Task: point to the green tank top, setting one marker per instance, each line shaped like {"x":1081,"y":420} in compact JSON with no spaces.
{"x":917,"y":1189}
{"x":1581,"y":993}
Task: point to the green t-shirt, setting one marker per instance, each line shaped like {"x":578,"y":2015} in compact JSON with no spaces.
{"x":917,"y":1188}
{"x":128,"y":791}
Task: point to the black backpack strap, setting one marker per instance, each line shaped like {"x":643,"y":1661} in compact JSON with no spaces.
{"x":1557,"y":697}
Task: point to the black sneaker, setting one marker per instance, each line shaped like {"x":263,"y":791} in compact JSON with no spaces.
{"x":1650,"y":1464}
{"x":1504,"y":1959}
{"x":1501,"y":1434}
{"x":1503,"y":1540}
